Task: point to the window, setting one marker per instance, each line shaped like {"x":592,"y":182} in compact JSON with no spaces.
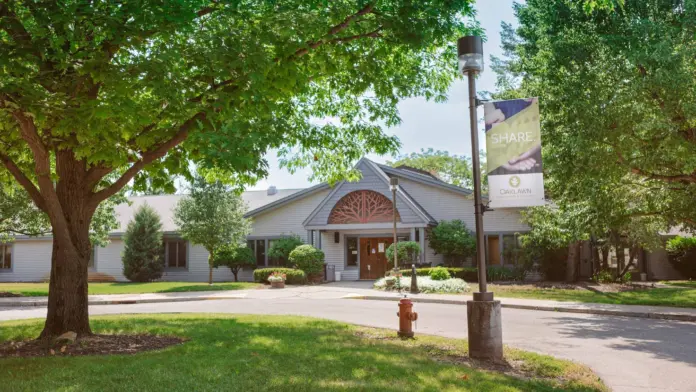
{"x":417,"y":239}
{"x":510,"y":249}
{"x":175,"y":254}
{"x":352,"y":251}
{"x":260,"y":252}
{"x":5,"y":257}
{"x":92,"y":257}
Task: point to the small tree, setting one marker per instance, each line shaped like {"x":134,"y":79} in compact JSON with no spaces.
{"x":453,"y":240}
{"x":309,"y":259}
{"x":211,"y":216}
{"x":281,"y":248}
{"x":407,"y":253}
{"x":143,"y":259}
{"x":235,"y":257}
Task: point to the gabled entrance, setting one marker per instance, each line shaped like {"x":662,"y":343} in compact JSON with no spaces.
{"x":373,"y":257}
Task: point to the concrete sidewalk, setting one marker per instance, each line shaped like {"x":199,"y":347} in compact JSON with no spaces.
{"x":363,"y":290}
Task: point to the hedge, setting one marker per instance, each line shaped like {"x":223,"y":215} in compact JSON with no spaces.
{"x":469,"y":274}
{"x":293,"y":276}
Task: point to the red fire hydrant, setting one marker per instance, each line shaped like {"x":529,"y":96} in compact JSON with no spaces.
{"x":406,"y":317}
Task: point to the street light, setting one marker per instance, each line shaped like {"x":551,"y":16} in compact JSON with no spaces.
{"x":394,"y":185}
{"x":483,"y":313}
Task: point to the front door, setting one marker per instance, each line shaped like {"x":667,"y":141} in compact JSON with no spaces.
{"x":373,"y":258}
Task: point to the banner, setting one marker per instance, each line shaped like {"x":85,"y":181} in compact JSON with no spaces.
{"x":513,"y":153}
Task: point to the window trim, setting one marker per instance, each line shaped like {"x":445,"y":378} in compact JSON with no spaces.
{"x":165,"y":241}
{"x":12,"y":258}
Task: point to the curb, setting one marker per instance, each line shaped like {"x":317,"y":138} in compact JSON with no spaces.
{"x":603,"y":312}
{"x":120,"y":301}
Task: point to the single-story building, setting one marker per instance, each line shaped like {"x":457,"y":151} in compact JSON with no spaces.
{"x":351,"y":222}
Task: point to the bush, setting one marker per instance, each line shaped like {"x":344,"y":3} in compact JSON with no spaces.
{"x":604,"y":276}
{"x":407,"y":253}
{"x":500,"y":273}
{"x":234,"y":257}
{"x":425,"y":285}
{"x":681,"y":252}
{"x":468,"y":274}
{"x":453,"y":240}
{"x":281,"y":248}
{"x":292,"y":276}
{"x":143,"y":255}
{"x":439,"y":273}
{"x":309,"y":259}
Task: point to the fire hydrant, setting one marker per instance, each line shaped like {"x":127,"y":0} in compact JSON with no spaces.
{"x":406,"y":317}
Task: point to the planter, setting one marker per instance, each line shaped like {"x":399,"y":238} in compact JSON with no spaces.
{"x":277,"y":285}
{"x":315,"y":278}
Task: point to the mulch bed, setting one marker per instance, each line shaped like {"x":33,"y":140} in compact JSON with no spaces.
{"x":89,"y":345}
{"x":5,"y":294}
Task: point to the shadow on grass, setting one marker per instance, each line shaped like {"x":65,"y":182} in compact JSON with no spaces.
{"x":249,"y":353}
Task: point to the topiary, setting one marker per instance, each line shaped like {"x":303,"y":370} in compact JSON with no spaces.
{"x":439,"y":273}
{"x":143,"y":254}
{"x":308,"y":259}
{"x":407,"y":253}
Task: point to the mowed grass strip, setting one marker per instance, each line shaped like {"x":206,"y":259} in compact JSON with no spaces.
{"x":676,"y":297}
{"x":280,"y":353}
{"x":41,"y":289}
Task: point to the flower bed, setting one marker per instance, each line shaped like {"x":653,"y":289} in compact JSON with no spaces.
{"x":426,"y":285}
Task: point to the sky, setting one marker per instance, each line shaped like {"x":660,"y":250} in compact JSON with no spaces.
{"x":441,"y":126}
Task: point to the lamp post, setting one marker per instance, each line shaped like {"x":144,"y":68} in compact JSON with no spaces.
{"x":394,"y":185}
{"x":483,"y":313}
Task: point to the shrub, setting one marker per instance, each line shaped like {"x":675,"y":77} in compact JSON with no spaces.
{"x":626,"y":278}
{"x":502,"y":273}
{"x":407,"y":253}
{"x":143,"y":255}
{"x":604,"y":276}
{"x":425,"y":285}
{"x":281,"y":248}
{"x":469,"y":274}
{"x":453,"y":240}
{"x":292,"y":276}
{"x":234,"y":257}
{"x":439,"y":273}
{"x":309,"y":259}
{"x":681,"y":252}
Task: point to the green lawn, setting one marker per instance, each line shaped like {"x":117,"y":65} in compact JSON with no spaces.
{"x":279,"y":353}
{"x":691,"y":284}
{"x":41,"y":289}
{"x":678,"y":297}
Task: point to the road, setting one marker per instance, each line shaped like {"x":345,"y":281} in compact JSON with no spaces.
{"x":630,"y":354}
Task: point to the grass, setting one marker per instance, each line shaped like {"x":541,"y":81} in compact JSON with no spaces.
{"x":677,"y":297}
{"x":41,"y":289}
{"x":279,"y":353}
{"x":690,"y":284}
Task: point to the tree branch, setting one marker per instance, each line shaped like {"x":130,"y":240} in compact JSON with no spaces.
{"x":683,"y":178}
{"x":24,"y":181}
{"x":147,"y":158}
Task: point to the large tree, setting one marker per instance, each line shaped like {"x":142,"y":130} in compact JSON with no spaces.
{"x":211,"y":215}
{"x":618,"y":96}
{"x":454,"y":169}
{"x":146,"y":90}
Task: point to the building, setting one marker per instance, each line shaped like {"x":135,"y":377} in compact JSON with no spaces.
{"x":351,"y":223}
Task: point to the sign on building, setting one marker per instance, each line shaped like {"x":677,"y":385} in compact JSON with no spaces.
{"x":513,"y":153}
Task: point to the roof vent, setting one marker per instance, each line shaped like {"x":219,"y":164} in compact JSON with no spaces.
{"x":272,"y":190}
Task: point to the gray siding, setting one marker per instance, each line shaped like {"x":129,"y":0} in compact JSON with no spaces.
{"x":31,"y":261}
{"x":370,"y":181}
{"x":288,"y":218}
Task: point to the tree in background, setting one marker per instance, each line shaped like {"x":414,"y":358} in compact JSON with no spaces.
{"x":407,"y":253}
{"x":143,"y":254}
{"x":281,"y":248}
{"x":618,"y":102}
{"x":234,"y":256}
{"x":453,"y":240}
{"x":145,"y":92}
{"x":211,"y":215}
{"x":454,"y":169}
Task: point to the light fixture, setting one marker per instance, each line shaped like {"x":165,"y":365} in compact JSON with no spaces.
{"x":393,"y":183}
{"x":470,"y":51}
{"x":337,"y":237}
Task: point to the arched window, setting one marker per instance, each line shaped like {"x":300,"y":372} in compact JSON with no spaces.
{"x":363,"y":207}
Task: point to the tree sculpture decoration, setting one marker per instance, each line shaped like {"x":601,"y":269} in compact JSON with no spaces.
{"x":363,"y":207}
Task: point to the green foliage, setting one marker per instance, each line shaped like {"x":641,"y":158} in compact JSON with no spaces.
{"x":454,"y":169}
{"x":682,"y":255}
{"x":212,"y":215}
{"x":143,"y":258}
{"x":308,"y":259}
{"x":453,"y":240}
{"x":617,"y":90}
{"x":292,"y":276}
{"x":604,"y":276}
{"x":235,"y":257}
{"x":439,"y":273}
{"x":468,"y":274}
{"x":281,"y":248}
{"x":408,"y":252}
{"x":626,"y":278}
{"x":502,"y":273}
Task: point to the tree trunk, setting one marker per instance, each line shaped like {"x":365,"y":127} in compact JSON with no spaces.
{"x":572,"y":261}
{"x":210,"y":274}
{"x":605,"y":258}
{"x":235,"y":272}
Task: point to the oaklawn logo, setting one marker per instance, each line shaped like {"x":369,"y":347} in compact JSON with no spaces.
{"x":515,"y":182}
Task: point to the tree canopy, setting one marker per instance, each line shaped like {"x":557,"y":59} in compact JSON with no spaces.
{"x":454,"y":169}
{"x":618,"y":106}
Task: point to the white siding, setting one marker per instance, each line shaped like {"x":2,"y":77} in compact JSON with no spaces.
{"x":109,"y":262}
{"x":31,"y":261}
{"x":288,"y":218}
